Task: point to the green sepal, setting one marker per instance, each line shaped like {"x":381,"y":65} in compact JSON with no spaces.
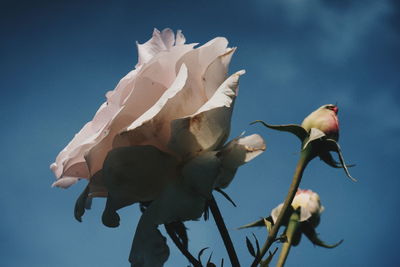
{"x":332,"y":145}
{"x":295,"y":129}
{"x":296,"y":238}
{"x":309,"y":232}
{"x":328,"y":159}
{"x":267,"y":222}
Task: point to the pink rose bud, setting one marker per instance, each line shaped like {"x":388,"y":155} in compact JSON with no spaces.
{"x":324,"y":119}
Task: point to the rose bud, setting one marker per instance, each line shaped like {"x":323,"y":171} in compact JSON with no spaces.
{"x":309,"y":204}
{"x":318,"y":134}
{"x":302,"y":218}
{"x":324,"y":119}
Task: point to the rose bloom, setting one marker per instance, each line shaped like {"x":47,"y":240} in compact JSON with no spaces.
{"x":160,"y":138}
{"x":309,"y":204}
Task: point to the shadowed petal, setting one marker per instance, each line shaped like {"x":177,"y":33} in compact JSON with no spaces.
{"x":138,"y":173}
{"x":180,"y":201}
{"x":153,"y":126}
{"x":209,"y":127}
{"x":236,"y":153}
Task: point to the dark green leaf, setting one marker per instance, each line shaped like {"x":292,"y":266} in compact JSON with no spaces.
{"x":250,"y":247}
{"x":219,"y":190}
{"x":257,"y":245}
{"x":201,"y":253}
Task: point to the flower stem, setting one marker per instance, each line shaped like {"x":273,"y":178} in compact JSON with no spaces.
{"x":305,"y":157}
{"x":219,"y":221}
{"x":181,"y":247}
{"x":290,"y":232}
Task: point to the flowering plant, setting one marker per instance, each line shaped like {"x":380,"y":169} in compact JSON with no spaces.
{"x":160,"y":140}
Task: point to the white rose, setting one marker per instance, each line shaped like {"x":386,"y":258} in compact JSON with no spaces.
{"x":160,"y":137}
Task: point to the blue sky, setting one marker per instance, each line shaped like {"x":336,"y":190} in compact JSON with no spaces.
{"x":59,"y":58}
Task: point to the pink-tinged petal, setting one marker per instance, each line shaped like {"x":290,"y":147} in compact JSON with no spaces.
{"x":236,"y":153}
{"x":209,"y":127}
{"x":145,"y":94}
{"x":159,"y":42}
{"x":216,"y":72}
{"x":139,"y":91}
{"x":156,"y":129}
{"x":71,"y":157}
{"x":180,"y":38}
{"x":162,"y":68}
{"x":65,"y":182}
{"x":137,"y":173}
{"x":197,"y":62}
{"x":182,"y":200}
{"x":153,"y":126}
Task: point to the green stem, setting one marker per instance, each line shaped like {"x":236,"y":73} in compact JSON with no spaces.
{"x":290,"y":232}
{"x":181,"y":247}
{"x":305,"y":157}
{"x":219,"y":221}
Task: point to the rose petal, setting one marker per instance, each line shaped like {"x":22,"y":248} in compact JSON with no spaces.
{"x":216,"y":72}
{"x":236,"y":153}
{"x":137,"y":173}
{"x":73,"y":153}
{"x":152,"y":128}
{"x":208,"y":128}
{"x":309,"y":203}
{"x":275,"y":212}
{"x":159,"y":42}
{"x":241,"y":150}
{"x":146,"y":93}
{"x":65,"y":182}
{"x":197,"y":62}
{"x":180,"y":38}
